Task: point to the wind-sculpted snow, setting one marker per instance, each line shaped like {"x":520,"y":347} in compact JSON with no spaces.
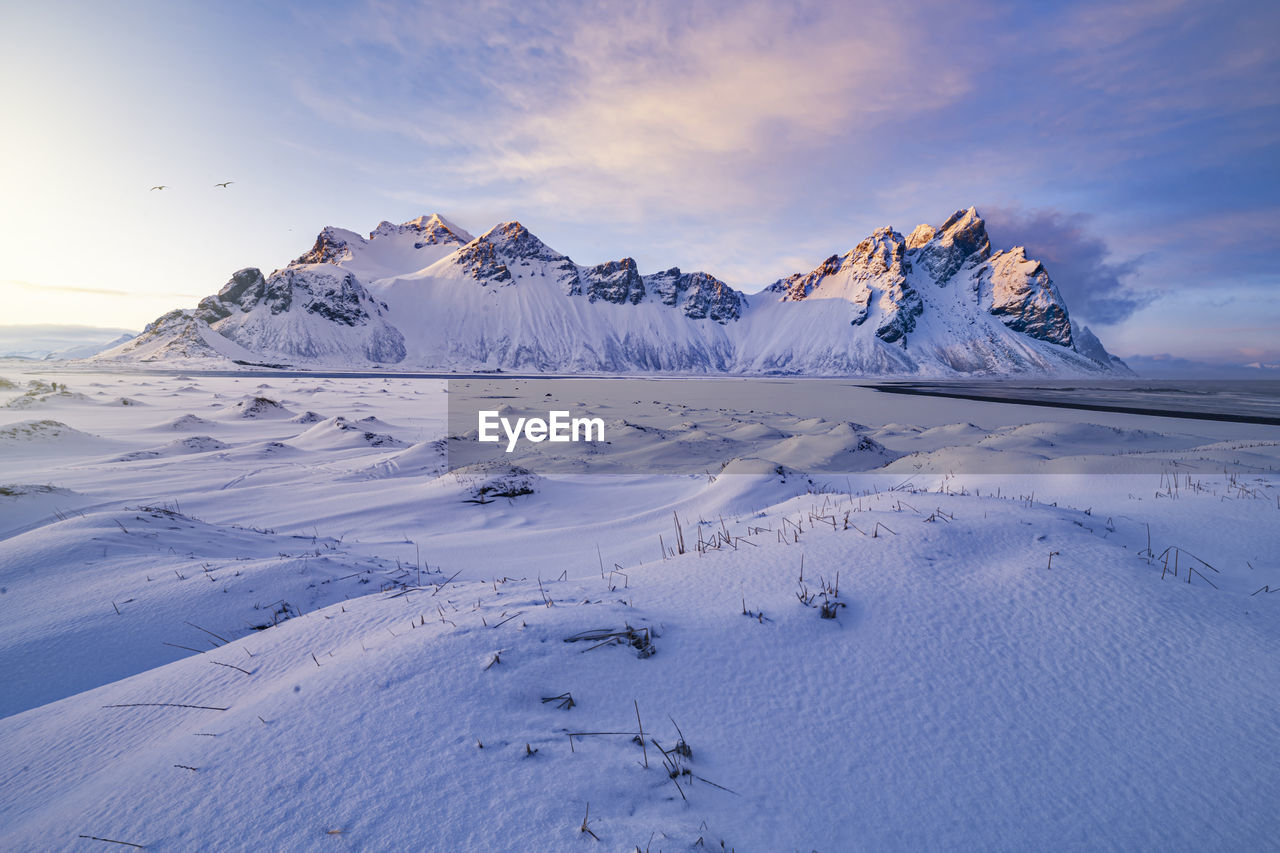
{"x":425,"y":294}
{"x":47,"y":431}
{"x":218,"y":575}
{"x":42,"y":395}
{"x":339,"y":432}
{"x":187,"y":422}
{"x":256,"y":407}
{"x":177,"y":447}
{"x":245,"y":643}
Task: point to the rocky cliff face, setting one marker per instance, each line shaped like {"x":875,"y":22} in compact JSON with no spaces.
{"x":335,"y":296}
{"x":510,"y":247}
{"x":313,"y":312}
{"x":246,"y":289}
{"x":893,"y":272}
{"x":304,"y":310}
{"x":697,"y":295}
{"x":877,"y":268}
{"x":1024,"y":298}
{"x":942,"y":251}
{"x":881,"y":259}
{"x":618,"y":282}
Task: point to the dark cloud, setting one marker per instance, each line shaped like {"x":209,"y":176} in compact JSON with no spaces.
{"x":1096,"y":289}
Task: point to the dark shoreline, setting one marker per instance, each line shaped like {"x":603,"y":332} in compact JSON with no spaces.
{"x":920,"y":391}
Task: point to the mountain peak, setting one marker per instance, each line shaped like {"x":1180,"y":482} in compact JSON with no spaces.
{"x":437,"y":226}
{"x":506,"y":231}
{"x":518,"y":242}
{"x":492,"y":257}
{"x":880,"y":253}
{"x":943,"y":250}
{"x":429,"y":230}
{"x":332,"y":245}
{"x":967,"y":229}
{"x":922,"y":234}
{"x":429,"y":220}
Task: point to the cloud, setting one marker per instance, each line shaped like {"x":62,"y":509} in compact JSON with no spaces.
{"x":753,"y":139}
{"x":632,"y":110}
{"x":95,"y":291}
{"x":1095,"y":287}
{"x":1227,"y":367}
{"x":1202,"y":52}
{"x":30,"y":285}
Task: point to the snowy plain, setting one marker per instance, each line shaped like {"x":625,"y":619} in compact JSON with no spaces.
{"x":245,"y":612}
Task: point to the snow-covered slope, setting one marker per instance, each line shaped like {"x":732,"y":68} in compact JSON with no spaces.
{"x":426,"y":294}
{"x":226,"y":628}
{"x":506,"y":299}
{"x":177,"y":337}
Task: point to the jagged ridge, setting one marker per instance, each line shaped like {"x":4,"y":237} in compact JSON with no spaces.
{"x":426,"y":293}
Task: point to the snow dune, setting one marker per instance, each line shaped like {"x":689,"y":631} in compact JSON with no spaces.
{"x":291,"y":636}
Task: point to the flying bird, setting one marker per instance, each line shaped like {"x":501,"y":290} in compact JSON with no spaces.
{"x":224,"y":184}
{"x":161,"y":187}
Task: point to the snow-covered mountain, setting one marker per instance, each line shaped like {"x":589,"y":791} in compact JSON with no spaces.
{"x":426,"y":294}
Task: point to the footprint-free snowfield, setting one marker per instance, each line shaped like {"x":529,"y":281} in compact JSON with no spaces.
{"x":246,"y":612}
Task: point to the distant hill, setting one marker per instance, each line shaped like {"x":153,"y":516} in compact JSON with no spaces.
{"x":51,"y":341}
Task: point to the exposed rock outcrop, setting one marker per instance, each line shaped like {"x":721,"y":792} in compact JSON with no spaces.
{"x":1025,"y":299}
{"x":697,"y":294}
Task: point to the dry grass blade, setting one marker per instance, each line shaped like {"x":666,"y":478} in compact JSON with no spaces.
{"x":113,"y":841}
{"x":207,"y":631}
{"x":508,"y":619}
{"x":641,"y":725}
{"x":446,"y":583}
{"x":584,"y":827}
{"x":231,"y":666}
{"x":564,"y":701}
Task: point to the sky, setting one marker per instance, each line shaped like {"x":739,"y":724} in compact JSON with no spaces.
{"x":1133,"y":148}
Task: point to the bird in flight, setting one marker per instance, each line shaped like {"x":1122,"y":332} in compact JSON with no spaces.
{"x":224,"y":184}
{"x":161,"y":187}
